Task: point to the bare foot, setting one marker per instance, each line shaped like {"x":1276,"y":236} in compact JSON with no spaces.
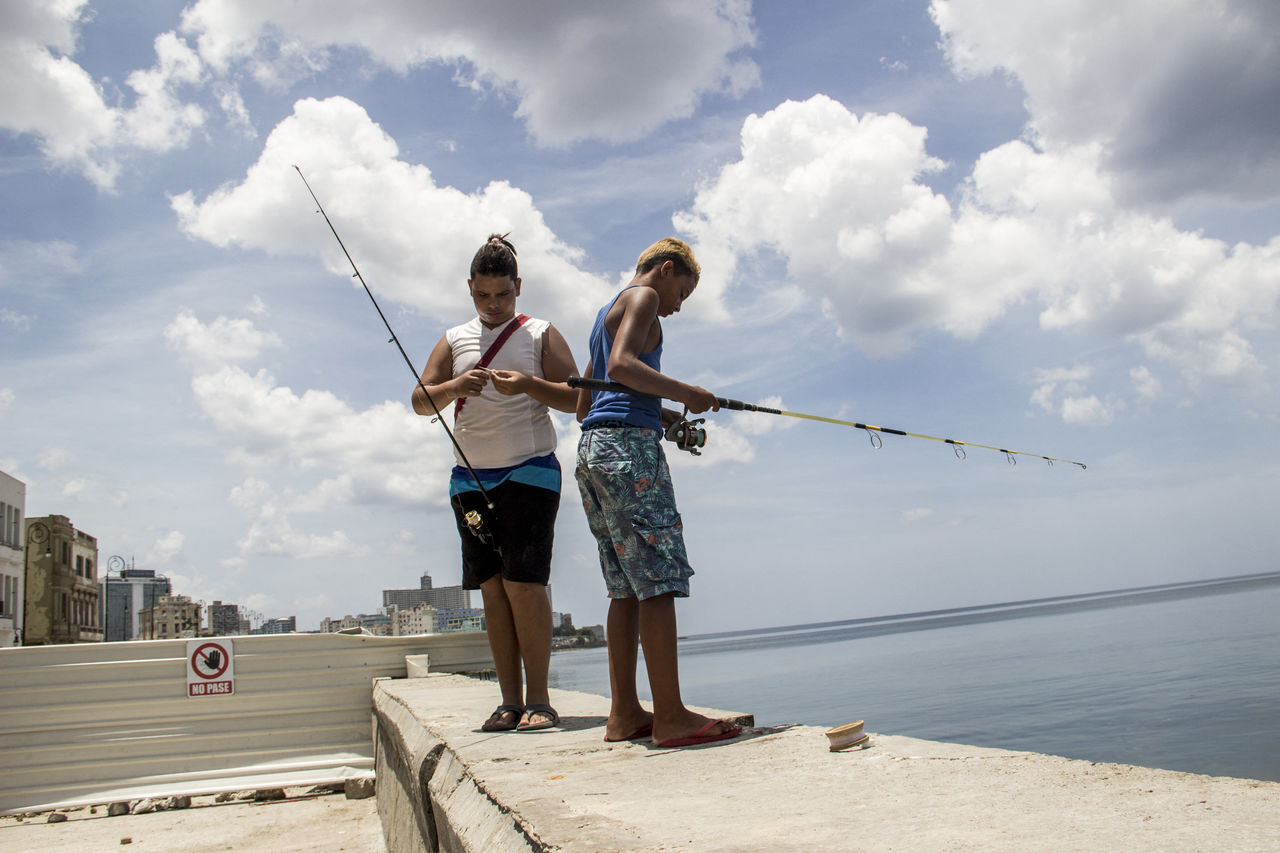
{"x":691,"y":728}
{"x":633,"y":727}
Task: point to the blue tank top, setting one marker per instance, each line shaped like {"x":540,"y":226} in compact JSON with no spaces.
{"x":637,"y":410}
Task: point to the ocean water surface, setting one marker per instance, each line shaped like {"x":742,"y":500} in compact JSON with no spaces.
{"x":1180,"y":676}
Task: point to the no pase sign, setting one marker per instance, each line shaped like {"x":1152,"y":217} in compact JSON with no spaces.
{"x":210,"y":668}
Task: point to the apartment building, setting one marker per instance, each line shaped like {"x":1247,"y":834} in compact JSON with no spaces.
{"x":60,"y":596}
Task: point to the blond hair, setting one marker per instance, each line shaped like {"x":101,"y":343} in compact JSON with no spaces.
{"x":669,"y":249}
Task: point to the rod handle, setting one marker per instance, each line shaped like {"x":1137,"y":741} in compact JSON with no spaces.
{"x":609,"y":385}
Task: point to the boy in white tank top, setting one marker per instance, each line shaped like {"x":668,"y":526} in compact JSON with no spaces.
{"x":499,"y":372}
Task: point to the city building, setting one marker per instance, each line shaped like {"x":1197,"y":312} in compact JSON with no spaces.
{"x":438,"y":597}
{"x":126,"y":595}
{"x":60,"y":584}
{"x":378,"y":624}
{"x":449,"y":620}
{"x":279,"y":625}
{"x":172,"y":617}
{"x":333,"y":626}
{"x":419,"y":619}
{"x":13,"y":506}
{"x":224,"y":620}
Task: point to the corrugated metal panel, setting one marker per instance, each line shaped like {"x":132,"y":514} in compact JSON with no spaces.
{"x":94,"y":723}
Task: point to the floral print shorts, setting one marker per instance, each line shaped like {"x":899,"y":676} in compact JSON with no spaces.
{"x":631,"y":509}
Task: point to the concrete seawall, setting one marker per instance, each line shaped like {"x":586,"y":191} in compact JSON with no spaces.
{"x":442,"y":784}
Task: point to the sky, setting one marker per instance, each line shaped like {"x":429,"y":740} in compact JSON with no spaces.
{"x":1052,"y":227}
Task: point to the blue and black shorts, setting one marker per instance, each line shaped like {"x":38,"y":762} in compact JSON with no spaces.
{"x":521,"y":524}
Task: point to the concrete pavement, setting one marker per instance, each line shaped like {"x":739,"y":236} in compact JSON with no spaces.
{"x":780,"y":789}
{"x":775,"y":789}
{"x":300,"y":824}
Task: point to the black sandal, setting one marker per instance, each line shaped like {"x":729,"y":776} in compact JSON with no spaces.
{"x":544,"y":710}
{"x":496,"y":721}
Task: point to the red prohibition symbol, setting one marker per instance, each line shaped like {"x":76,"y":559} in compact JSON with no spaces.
{"x":210,"y":661}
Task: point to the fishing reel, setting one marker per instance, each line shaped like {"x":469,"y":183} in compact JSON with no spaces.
{"x":476,"y":526}
{"x":686,"y":434}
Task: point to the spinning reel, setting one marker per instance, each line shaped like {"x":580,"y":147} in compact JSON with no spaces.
{"x":476,"y":526}
{"x":686,"y":434}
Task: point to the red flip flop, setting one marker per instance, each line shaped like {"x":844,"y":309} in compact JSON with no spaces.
{"x":639,"y":734}
{"x":701,"y":736}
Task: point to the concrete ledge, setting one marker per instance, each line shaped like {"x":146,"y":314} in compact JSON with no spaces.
{"x":444,"y":785}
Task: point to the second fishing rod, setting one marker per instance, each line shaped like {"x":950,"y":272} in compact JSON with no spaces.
{"x":688,"y":436}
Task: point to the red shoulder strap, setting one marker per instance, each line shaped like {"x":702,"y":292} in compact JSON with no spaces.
{"x":516,"y":322}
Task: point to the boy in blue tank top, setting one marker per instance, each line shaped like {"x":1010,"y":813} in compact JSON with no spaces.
{"x":626,"y":491}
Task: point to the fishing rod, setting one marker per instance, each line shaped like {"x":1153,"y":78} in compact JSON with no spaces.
{"x":473,"y":520}
{"x":872,"y":431}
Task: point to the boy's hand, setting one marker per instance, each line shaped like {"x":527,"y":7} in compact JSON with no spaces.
{"x":509,"y":382}
{"x":700,"y":399}
{"x":471,"y":383}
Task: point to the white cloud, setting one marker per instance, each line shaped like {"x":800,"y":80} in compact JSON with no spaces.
{"x":168,"y":546}
{"x":23,"y":262}
{"x":160,"y":121}
{"x":76,"y":486}
{"x":577,"y":70}
{"x":91,"y":492}
{"x":331,"y":493}
{"x":1179,"y":95}
{"x":224,"y":341}
{"x":1145,"y":384}
{"x":260,"y":602}
{"x":310,"y":453}
{"x":270,"y":427}
{"x":55,"y":458}
{"x":51,"y":97}
{"x":233,"y":107}
{"x":1062,"y":392}
{"x":412,"y":239}
{"x":1054,"y":382}
{"x":1086,"y":411}
{"x":7,"y":398}
{"x":839,"y":197}
{"x":842,"y":201}
{"x":14,"y":320}
{"x":1076,"y":374}
{"x":271,"y":532}
{"x":567,"y":434}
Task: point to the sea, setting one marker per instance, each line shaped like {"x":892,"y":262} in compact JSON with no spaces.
{"x":1177,"y":676}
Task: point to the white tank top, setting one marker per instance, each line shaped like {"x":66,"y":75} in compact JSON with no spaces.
{"x":496,"y":430}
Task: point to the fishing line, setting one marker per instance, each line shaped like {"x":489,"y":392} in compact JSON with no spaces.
{"x":873,"y":432}
{"x":473,"y":520}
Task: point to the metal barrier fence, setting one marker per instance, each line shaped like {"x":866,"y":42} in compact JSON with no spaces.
{"x":106,"y":722}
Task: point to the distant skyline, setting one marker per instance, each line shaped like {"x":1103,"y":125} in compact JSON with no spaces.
{"x":1050,"y":227}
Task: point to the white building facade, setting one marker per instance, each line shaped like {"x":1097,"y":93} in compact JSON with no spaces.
{"x":416,"y":620}
{"x":13,"y":508}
